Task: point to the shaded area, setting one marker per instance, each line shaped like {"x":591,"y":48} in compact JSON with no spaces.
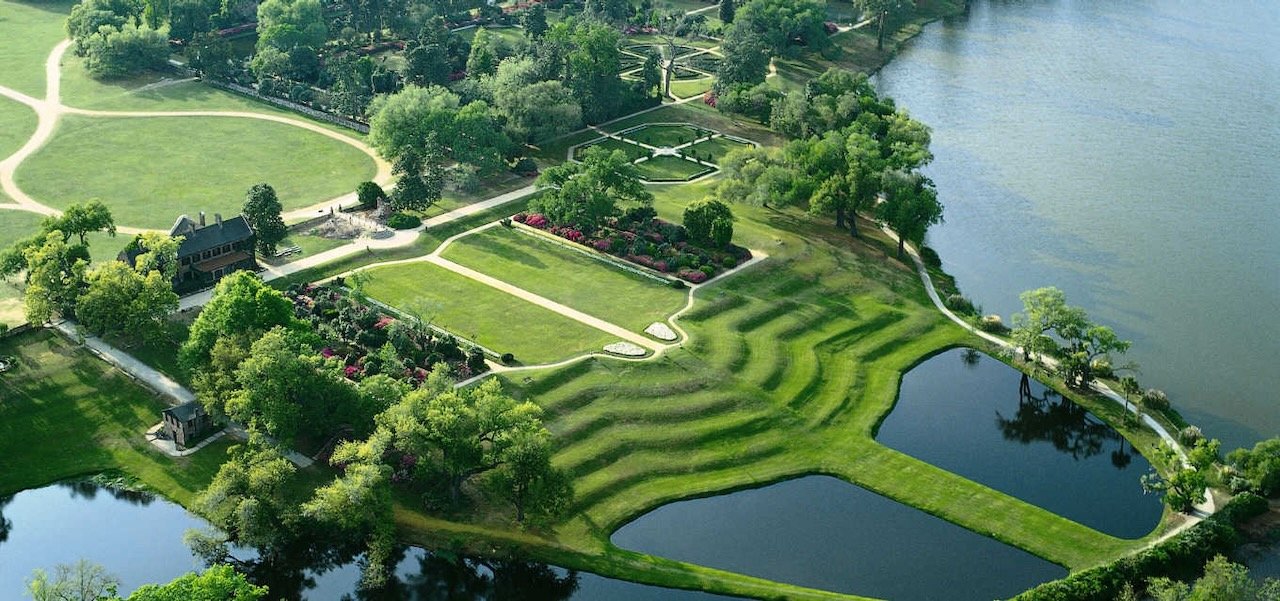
{"x":973,"y":415}
{"x":825,"y":533}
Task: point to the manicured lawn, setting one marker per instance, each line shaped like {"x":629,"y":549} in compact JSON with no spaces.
{"x":17,"y":123}
{"x":670,"y":169}
{"x":716,"y":147}
{"x":149,"y":171}
{"x":310,"y":245}
{"x":664,"y":135}
{"x":64,"y":413}
{"x":161,"y":354}
{"x":567,"y":276}
{"x":632,"y":151}
{"x":28,"y":32}
{"x":490,"y":317}
{"x":694,"y":87}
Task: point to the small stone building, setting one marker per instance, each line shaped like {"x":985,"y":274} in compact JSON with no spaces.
{"x":186,"y":423}
{"x":208,"y":251}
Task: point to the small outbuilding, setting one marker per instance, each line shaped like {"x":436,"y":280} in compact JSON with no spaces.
{"x":187,"y":423}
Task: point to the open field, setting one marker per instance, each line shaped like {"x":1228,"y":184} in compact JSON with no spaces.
{"x":176,"y":165}
{"x":17,"y":123}
{"x":670,"y":169}
{"x":64,"y":413}
{"x":567,"y":276}
{"x":310,"y":245}
{"x":490,"y":317}
{"x":28,"y":31}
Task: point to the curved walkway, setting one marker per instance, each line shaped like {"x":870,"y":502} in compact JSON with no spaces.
{"x":50,"y":110}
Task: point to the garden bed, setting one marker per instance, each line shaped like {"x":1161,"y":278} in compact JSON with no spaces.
{"x":671,"y":169}
{"x":640,"y":238}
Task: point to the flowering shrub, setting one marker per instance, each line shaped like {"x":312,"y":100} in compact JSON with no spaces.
{"x":697,"y":277}
{"x":535,"y":220}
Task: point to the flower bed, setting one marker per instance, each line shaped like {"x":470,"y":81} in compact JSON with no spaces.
{"x":368,"y":342}
{"x":642,"y":239}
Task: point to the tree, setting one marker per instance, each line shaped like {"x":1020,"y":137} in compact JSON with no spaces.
{"x":745,"y":62}
{"x":784,"y":24}
{"x":910,"y":208}
{"x":583,"y":194}
{"x":89,"y":17}
{"x":82,"y":219}
{"x":55,"y":277}
{"x":262,"y":209}
{"x":420,"y":180}
{"x":370,"y":194}
{"x":593,"y":64}
{"x":529,"y":481}
{"x":534,"y":109}
{"x":241,"y":305}
{"x":288,"y":24}
{"x":427,"y":64}
{"x":1045,"y":310}
{"x":651,"y":72}
{"x":483,"y":59}
{"x":123,"y":301}
{"x":1182,"y":490}
{"x":726,"y":11}
{"x":211,"y":55}
{"x":218,"y":583}
{"x":423,"y":121}
{"x":1088,"y":344}
{"x":881,"y":10}
{"x":114,"y":53}
{"x":1259,"y":466}
{"x":709,"y":223}
{"x":191,"y":18}
{"x":672,"y":27}
{"x":534,"y":21}
{"x":248,"y":498}
{"x":81,"y":581}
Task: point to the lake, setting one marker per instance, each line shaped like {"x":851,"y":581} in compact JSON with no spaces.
{"x":825,"y":533}
{"x":1126,"y":153}
{"x":962,"y":411}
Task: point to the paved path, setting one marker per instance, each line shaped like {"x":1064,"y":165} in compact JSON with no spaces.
{"x":153,"y":379}
{"x":50,"y":110}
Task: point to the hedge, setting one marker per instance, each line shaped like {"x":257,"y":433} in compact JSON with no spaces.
{"x":1182,"y":557}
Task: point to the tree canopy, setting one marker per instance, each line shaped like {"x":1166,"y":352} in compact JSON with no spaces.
{"x":262,"y":209}
{"x":241,"y":305}
{"x":584,"y":194}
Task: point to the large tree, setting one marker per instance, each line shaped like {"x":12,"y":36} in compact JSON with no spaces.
{"x":114,"y":53}
{"x":709,"y":223}
{"x":241,"y":305}
{"x":583,"y":194}
{"x":424,"y":120}
{"x":55,"y":277}
{"x":81,"y":220}
{"x":262,"y":209}
{"x":133,"y":302}
{"x":593,"y":64}
{"x":881,"y":11}
{"x":534,"y":109}
{"x":785,"y":24}
{"x":288,"y":24}
{"x":1045,"y":312}
{"x":746,"y":60}
{"x":248,"y":498}
{"x":910,"y":207}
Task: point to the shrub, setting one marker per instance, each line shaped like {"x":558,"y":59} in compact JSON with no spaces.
{"x":678,"y":284}
{"x":403,"y":221}
{"x":508,"y":358}
{"x":369,"y":194}
{"x":729,"y":262}
{"x":930,"y":257}
{"x":692,"y":275}
{"x":707,"y":269}
{"x":505,"y":222}
{"x":960,"y":304}
{"x":114,"y":53}
{"x":1155,"y":400}
{"x":526,"y":167}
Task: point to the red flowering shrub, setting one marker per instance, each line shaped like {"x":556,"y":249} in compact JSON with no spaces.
{"x":535,"y":220}
{"x":519,"y":217}
{"x":692,"y":275}
{"x":383,"y":322}
{"x":602,"y":245}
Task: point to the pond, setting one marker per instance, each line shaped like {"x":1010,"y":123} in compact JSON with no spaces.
{"x":138,"y":537}
{"x":825,"y":533}
{"x":962,"y":411}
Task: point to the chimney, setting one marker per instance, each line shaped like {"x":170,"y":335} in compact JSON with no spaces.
{"x":201,"y":218}
{"x":217,"y":217}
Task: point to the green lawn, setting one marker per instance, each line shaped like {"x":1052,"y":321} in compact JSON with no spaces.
{"x":17,"y":123}
{"x":632,"y":151}
{"x":28,"y":32}
{"x":64,"y":413}
{"x":567,"y":276}
{"x":716,"y":147}
{"x":161,"y":354}
{"x":670,"y":169}
{"x":664,"y":135}
{"x":694,"y":87}
{"x":310,"y":245}
{"x":477,"y":312}
{"x":148,"y":171}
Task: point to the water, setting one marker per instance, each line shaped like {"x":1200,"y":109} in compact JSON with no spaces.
{"x":825,"y":533}
{"x":1126,"y":153}
{"x":138,"y":538}
{"x":961,"y":411}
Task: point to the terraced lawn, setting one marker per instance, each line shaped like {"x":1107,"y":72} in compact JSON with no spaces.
{"x":567,"y":276}
{"x":149,"y":171}
{"x":28,"y":31}
{"x":492,"y":318}
{"x":79,"y":416}
{"x":667,"y":168}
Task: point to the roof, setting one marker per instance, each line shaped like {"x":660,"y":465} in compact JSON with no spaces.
{"x":222,"y":261}
{"x":197,"y":238}
{"x":185,"y":411}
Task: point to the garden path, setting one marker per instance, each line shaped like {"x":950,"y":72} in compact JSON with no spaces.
{"x":50,"y":110}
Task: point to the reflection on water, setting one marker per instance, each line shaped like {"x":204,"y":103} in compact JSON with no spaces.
{"x":975,"y":416}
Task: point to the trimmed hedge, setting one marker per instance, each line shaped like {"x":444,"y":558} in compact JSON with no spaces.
{"x":1182,"y":557}
{"x":402,"y":221}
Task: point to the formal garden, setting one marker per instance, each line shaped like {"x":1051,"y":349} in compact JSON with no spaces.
{"x":667,"y":152}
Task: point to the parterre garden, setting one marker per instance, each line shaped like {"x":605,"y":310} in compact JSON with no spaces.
{"x":667,"y":152}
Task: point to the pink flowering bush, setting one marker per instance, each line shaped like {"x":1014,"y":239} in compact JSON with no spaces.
{"x":692,"y":275}
{"x":535,"y":220}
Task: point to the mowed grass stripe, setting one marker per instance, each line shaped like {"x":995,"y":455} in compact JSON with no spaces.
{"x":567,"y":276}
{"x":477,"y":312}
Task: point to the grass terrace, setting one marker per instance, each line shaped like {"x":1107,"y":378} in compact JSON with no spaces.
{"x":569,"y":275}
{"x":172,"y":165}
{"x":64,"y":413}
{"x":487,"y":316}
{"x":670,"y":169}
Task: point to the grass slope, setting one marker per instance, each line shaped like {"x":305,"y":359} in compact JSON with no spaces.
{"x":148,"y":171}
{"x":485,"y":315}
{"x":64,"y":413}
{"x":568,"y":277}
